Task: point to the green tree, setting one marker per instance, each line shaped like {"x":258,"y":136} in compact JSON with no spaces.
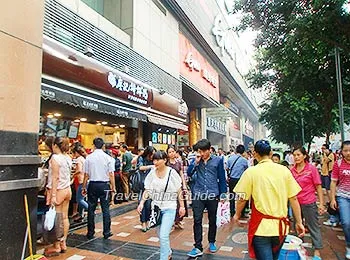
{"x":295,"y":47}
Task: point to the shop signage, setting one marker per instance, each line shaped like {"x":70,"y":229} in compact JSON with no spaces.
{"x":48,"y":94}
{"x":160,"y":138}
{"x":195,"y":65}
{"x":134,"y":91}
{"x":222,"y":30}
{"x":90,"y":105}
{"x":249,"y":129}
{"x":195,"y":68}
{"x":216,"y":126}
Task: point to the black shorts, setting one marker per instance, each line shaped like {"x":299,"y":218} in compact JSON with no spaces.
{"x":326,"y":182}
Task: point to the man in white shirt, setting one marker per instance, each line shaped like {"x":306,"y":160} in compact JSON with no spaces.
{"x":99,"y":169}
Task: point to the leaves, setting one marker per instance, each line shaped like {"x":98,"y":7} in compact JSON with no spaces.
{"x":295,"y":63}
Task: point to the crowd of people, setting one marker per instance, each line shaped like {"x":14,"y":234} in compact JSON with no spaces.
{"x":256,"y":181}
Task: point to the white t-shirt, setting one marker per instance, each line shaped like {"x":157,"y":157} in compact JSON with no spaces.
{"x":156,"y":187}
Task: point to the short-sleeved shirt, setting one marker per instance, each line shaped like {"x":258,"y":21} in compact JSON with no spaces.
{"x":342,"y":174}
{"x":156,"y":188}
{"x":177,"y":166}
{"x":239,"y":163}
{"x":64,"y":171}
{"x":308,"y":178}
{"x":98,"y":165}
{"x":270,"y":185}
{"x":127,"y":158}
{"x":327,"y":167}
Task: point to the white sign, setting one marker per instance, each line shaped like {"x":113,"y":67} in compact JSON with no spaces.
{"x":216,"y":126}
{"x":248,"y":127}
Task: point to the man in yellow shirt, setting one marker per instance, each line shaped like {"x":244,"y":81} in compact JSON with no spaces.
{"x":269,"y":186}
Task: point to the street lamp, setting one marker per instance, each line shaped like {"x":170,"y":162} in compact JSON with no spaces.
{"x":340,"y":93}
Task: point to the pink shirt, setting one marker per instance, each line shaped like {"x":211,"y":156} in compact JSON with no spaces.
{"x":308,"y":179}
{"x":342,"y":174}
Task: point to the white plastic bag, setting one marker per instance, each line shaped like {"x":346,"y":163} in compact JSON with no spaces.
{"x":223,"y":215}
{"x":50,"y":217}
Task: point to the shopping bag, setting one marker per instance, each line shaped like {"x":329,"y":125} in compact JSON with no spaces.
{"x":56,"y":233}
{"x":50,"y":219}
{"x":223,"y":215}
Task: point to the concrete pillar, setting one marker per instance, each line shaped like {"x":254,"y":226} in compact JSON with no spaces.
{"x":21,"y":34}
{"x":204,"y":123}
{"x":140,"y":134}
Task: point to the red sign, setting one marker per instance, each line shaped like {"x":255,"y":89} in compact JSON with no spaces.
{"x":197,"y":69}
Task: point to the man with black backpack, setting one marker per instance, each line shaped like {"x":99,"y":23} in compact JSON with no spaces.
{"x":236,"y":165}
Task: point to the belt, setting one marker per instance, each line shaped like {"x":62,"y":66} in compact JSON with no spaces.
{"x":107,"y":182}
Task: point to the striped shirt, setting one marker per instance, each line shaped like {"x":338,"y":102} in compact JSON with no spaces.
{"x":341,"y":173}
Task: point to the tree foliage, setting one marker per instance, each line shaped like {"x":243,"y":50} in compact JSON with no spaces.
{"x":296,"y":64}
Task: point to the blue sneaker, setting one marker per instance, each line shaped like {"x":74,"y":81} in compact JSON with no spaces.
{"x":212,"y":247}
{"x":195,"y":252}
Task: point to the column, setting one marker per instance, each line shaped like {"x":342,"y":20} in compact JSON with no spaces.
{"x":21,"y":34}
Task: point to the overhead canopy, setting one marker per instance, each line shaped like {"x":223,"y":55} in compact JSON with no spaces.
{"x":158,"y":120}
{"x":54,"y":91}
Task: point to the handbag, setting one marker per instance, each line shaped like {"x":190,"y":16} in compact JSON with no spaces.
{"x":136,"y":182}
{"x":155,"y":219}
{"x":50,"y":219}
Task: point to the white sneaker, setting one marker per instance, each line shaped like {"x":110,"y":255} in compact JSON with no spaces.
{"x":329,"y":223}
{"x":347,"y":255}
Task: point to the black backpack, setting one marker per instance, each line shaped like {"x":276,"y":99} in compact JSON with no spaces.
{"x":117,"y":164}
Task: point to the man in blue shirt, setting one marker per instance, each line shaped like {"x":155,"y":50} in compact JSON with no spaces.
{"x":236,"y":165}
{"x":209,"y":186}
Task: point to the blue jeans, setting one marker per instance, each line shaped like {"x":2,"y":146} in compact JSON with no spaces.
{"x":168,"y":219}
{"x":263,"y":247}
{"x":80,"y":200}
{"x":344,"y":210}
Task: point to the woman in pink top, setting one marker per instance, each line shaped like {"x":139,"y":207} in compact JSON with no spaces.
{"x":309,"y":180}
{"x":341,"y":178}
{"x":58,"y":190}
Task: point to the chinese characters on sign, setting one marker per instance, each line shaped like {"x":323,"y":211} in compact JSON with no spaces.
{"x":134,"y":91}
{"x":194,"y":64}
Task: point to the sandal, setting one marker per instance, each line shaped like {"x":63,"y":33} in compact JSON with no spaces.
{"x":51,"y":251}
{"x":63,"y":246}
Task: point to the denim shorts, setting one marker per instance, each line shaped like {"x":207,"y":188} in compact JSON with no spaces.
{"x":326,"y":181}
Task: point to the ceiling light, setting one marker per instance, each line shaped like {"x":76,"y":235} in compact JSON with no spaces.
{"x":83,"y":119}
{"x":104,"y":122}
{"x":57,"y":114}
{"x":50,"y":116}
{"x":98,"y":123}
{"x":117,"y":126}
{"x":77,"y":120}
{"x":122,"y":126}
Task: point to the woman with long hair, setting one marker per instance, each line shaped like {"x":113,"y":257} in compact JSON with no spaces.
{"x":309,"y":180}
{"x":163,"y":185}
{"x":79,"y":154}
{"x":58,"y":190}
{"x":144,"y":165}
{"x":177,"y":165}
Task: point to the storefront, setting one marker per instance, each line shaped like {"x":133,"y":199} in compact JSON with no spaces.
{"x":200,"y":86}
{"x":216,"y":132}
{"x":83,"y":99}
{"x":248,"y":136}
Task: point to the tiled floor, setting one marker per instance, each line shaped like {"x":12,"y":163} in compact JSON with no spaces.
{"x":129,"y":242}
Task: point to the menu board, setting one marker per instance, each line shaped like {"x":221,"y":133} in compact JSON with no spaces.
{"x":58,"y":127}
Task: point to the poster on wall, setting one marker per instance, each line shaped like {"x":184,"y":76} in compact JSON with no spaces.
{"x":160,"y":138}
{"x":169,"y":139}
{"x":165,"y":138}
{"x":183,"y":140}
{"x":154,"y":137}
{"x":173,"y":139}
{"x":73,"y":130}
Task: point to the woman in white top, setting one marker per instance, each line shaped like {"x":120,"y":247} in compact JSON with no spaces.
{"x":58,"y":189}
{"x":155,"y":184}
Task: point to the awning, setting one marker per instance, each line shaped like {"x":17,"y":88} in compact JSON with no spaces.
{"x":54,"y":91}
{"x":158,"y":120}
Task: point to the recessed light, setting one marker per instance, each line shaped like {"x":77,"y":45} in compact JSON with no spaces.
{"x":77,"y":120}
{"x":98,"y":123}
{"x":104,"y":122}
{"x":57,"y":114}
{"x":49,"y":116}
{"x":122,"y":126}
{"x":83,"y":119}
{"x":117,"y":126}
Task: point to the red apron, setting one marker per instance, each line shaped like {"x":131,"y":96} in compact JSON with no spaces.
{"x":254,"y":223}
